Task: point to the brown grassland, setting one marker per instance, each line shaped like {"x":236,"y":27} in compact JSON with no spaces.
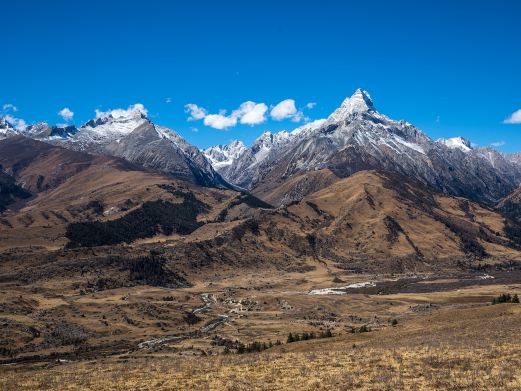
{"x":403,"y":278}
{"x":464,"y":347}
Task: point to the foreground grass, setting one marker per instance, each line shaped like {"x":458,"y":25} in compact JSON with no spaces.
{"x":474,"y":349}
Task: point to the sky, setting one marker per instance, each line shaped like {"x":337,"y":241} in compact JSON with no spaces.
{"x":215,"y":71}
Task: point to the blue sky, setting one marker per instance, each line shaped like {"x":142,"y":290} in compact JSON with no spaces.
{"x":449,"y":67}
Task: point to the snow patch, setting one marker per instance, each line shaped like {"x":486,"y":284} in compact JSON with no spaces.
{"x":341,"y":290}
{"x":225,"y":155}
{"x":460,"y":143}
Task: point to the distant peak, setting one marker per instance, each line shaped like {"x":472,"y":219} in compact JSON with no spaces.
{"x":4,"y":123}
{"x":134,"y":112}
{"x":457,"y":143}
{"x":237,"y":143}
{"x":359,"y":102}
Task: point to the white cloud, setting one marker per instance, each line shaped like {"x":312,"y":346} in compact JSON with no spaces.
{"x":21,"y":125}
{"x":288,"y":110}
{"x":9,"y":118}
{"x":194,"y":129}
{"x":66,"y":114}
{"x":248,"y":113}
{"x":219,"y":121}
{"x":195,"y":111}
{"x":251,"y":113}
{"x":9,"y":107}
{"x":498,"y":144}
{"x":132,"y":110}
{"x":168,"y":100}
{"x":283,"y":110}
{"x":299,"y":116}
{"x":515,"y":118}
{"x":17,"y":123}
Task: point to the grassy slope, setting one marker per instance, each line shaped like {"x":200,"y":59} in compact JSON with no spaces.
{"x":464,"y":350}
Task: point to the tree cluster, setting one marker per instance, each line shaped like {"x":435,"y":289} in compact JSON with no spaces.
{"x":150,"y":219}
{"x":505,"y":298}
{"x":256,"y":346}
{"x":294,"y":337}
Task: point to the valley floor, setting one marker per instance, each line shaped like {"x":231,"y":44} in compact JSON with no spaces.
{"x":424,"y":333}
{"x":473,"y":349}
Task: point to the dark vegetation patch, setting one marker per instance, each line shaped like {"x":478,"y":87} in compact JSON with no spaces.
{"x":228,"y":344}
{"x":250,"y":225}
{"x":505,"y":298}
{"x":312,"y":240}
{"x":369,"y":198}
{"x":511,"y":209}
{"x":254,"y":347}
{"x":96,"y":206}
{"x":150,"y":219}
{"x":468,"y":238}
{"x":59,"y":216}
{"x":151,"y":270}
{"x":89,"y":272}
{"x":393,"y":231}
{"x":65,"y":333}
{"x":295,"y":337}
{"x":310,"y":244}
{"x":243,"y":198}
{"x":10,"y":191}
{"x":413,"y":193}
{"x":465,"y":207}
{"x":513,"y":231}
{"x":319,"y":211}
{"x":190,"y":318}
{"x":144,"y":270}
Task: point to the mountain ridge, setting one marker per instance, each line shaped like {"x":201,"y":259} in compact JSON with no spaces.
{"x":357,"y":137}
{"x":131,"y":135}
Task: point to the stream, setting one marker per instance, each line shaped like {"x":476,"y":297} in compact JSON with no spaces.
{"x":208,"y":300}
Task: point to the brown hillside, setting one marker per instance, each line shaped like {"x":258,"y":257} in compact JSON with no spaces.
{"x":374,"y":217}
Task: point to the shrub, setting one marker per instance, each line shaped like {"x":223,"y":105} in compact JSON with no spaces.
{"x":326,"y":334}
{"x":363,"y":329}
{"x":253,"y":347}
{"x":505,"y":298}
{"x":295,"y":337}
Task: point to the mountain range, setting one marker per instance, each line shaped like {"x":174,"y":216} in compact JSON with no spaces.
{"x":354,"y":137}
{"x":357,"y":137}
{"x":131,"y":135}
{"x":119,"y":236}
{"x":357,"y":188}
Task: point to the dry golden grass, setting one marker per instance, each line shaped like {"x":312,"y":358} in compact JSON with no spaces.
{"x":475,"y":349}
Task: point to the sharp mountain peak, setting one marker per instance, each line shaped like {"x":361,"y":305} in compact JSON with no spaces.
{"x":359,"y":102}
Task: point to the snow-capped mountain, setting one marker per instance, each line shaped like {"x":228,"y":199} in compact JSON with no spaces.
{"x":224,"y":155}
{"x":460,"y":143}
{"x":357,"y":137}
{"x":6,"y":129}
{"x":131,"y":135}
{"x":242,"y":163}
{"x":42,"y":130}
